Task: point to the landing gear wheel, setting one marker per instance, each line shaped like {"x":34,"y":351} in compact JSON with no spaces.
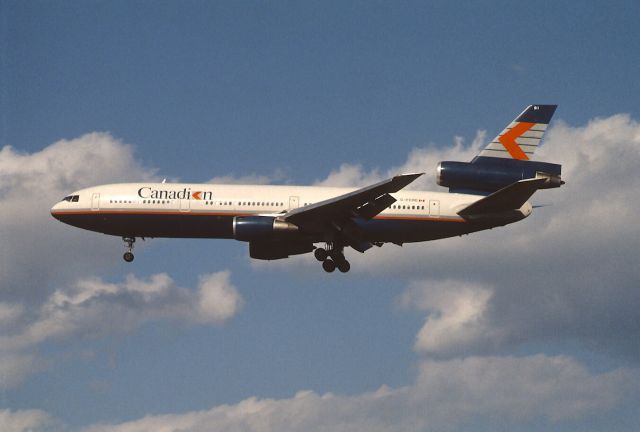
{"x":128,"y":255}
{"x":329,"y":265}
{"x":344,"y":266}
{"x":320,"y":254}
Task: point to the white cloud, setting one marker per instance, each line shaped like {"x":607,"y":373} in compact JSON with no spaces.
{"x":25,"y":421}
{"x":9,"y":314}
{"x":457,"y":316}
{"x":419,"y":160}
{"x":447,"y":395}
{"x":29,"y":315}
{"x":15,"y":365}
{"x":218,"y":300}
{"x":568,"y":272}
{"x":277,"y":176}
{"x":92,"y":307}
{"x":29,"y":186}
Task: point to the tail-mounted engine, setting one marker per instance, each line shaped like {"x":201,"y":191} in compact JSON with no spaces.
{"x":491,"y":174}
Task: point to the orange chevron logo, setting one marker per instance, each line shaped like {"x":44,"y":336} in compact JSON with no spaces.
{"x":508,"y":140}
{"x":196,"y":195}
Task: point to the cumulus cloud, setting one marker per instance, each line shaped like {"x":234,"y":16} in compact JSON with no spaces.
{"x":277,"y":176}
{"x":30,"y":183}
{"x":568,"y":272}
{"x":26,"y":420}
{"x":39,"y":254}
{"x":93,"y":307}
{"x":423,"y":160}
{"x":446,"y":395}
{"x":456,"y":319}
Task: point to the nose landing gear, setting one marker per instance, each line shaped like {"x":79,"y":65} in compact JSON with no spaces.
{"x":332,"y":257}
{"x":128,"y":255}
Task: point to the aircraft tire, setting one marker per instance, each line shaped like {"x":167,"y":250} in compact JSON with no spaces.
{"x":128,"y":256}
{"x":329,"y":265}
{"x":320,"y":254}
{"x":344,"y":266}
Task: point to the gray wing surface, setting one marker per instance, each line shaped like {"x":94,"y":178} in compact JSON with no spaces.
{"x":366,"y":202}
{"x":511,"y":197}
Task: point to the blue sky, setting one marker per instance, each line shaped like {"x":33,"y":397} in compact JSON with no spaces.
{"x":303,"y":92}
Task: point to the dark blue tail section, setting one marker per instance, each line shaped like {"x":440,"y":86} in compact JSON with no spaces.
{"x":506,"y":159}
{"x":487,"y":175}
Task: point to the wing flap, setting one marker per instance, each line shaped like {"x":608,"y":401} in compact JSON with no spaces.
{"x":375,"y":207}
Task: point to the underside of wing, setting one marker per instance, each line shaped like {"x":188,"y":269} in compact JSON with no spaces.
{"x":365,"y":202}
{"x":337,"y":213}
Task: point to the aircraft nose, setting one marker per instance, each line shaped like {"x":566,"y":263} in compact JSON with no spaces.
{"x":55,"y":211}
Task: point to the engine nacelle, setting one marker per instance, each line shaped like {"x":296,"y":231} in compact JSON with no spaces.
{"x":492,"y":174}
{"x":273,"y":250}
{"x":250,"y":228}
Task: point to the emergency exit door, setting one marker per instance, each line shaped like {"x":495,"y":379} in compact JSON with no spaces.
{"x":95,"y":202}
{"x":294,"y":202}
{"x":434,"y":208}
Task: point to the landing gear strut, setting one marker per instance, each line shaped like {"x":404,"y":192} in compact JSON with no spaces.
{"x":128,"y":255}
{"x":332,"y":257}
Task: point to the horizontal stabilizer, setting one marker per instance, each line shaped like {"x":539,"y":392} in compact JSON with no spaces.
{"x":506,"y":199}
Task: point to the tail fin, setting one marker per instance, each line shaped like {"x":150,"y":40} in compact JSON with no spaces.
{"x":522,"y":136}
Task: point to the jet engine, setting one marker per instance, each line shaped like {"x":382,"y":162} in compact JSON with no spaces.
{"x":492,"y":174}
{"x":278,"y":249}
{"x":251,"y":228}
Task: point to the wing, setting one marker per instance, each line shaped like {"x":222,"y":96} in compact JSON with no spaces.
{"x":336,"y":212}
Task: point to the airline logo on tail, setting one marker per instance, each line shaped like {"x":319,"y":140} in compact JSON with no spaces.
{"x":508,"y":140}
{"x":522,"y":136}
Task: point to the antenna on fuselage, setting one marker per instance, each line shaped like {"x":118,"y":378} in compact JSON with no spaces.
{"x":164,"y":181}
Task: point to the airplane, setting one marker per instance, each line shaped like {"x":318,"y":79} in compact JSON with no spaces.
{"x":278,"y":221}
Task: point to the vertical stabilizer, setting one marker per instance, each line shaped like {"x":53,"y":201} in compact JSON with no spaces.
{"x":520,"y":139}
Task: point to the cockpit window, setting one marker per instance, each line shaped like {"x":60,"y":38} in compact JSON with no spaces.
{"x":67,"y":198}
{"x":71,"y":198}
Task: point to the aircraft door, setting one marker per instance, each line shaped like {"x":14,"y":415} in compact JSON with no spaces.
{"x":95,"y":202}
{"x":434,"y":208}
{"x":294,"y":202}
{"x":185,"y":205}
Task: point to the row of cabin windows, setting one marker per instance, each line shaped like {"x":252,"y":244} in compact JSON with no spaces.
{"x":407,"y":207}
{"x":261,"y":204}
{"x":74,"y":198}
{"x":156,"y":202}
{"x":248,"y":203}
{"x":224,"y":203}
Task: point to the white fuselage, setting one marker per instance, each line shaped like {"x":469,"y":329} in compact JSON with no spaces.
{"x":208,"y":210}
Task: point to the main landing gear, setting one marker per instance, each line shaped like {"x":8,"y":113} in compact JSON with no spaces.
{"x":128,"y":255}
{"x":332,"y":257}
